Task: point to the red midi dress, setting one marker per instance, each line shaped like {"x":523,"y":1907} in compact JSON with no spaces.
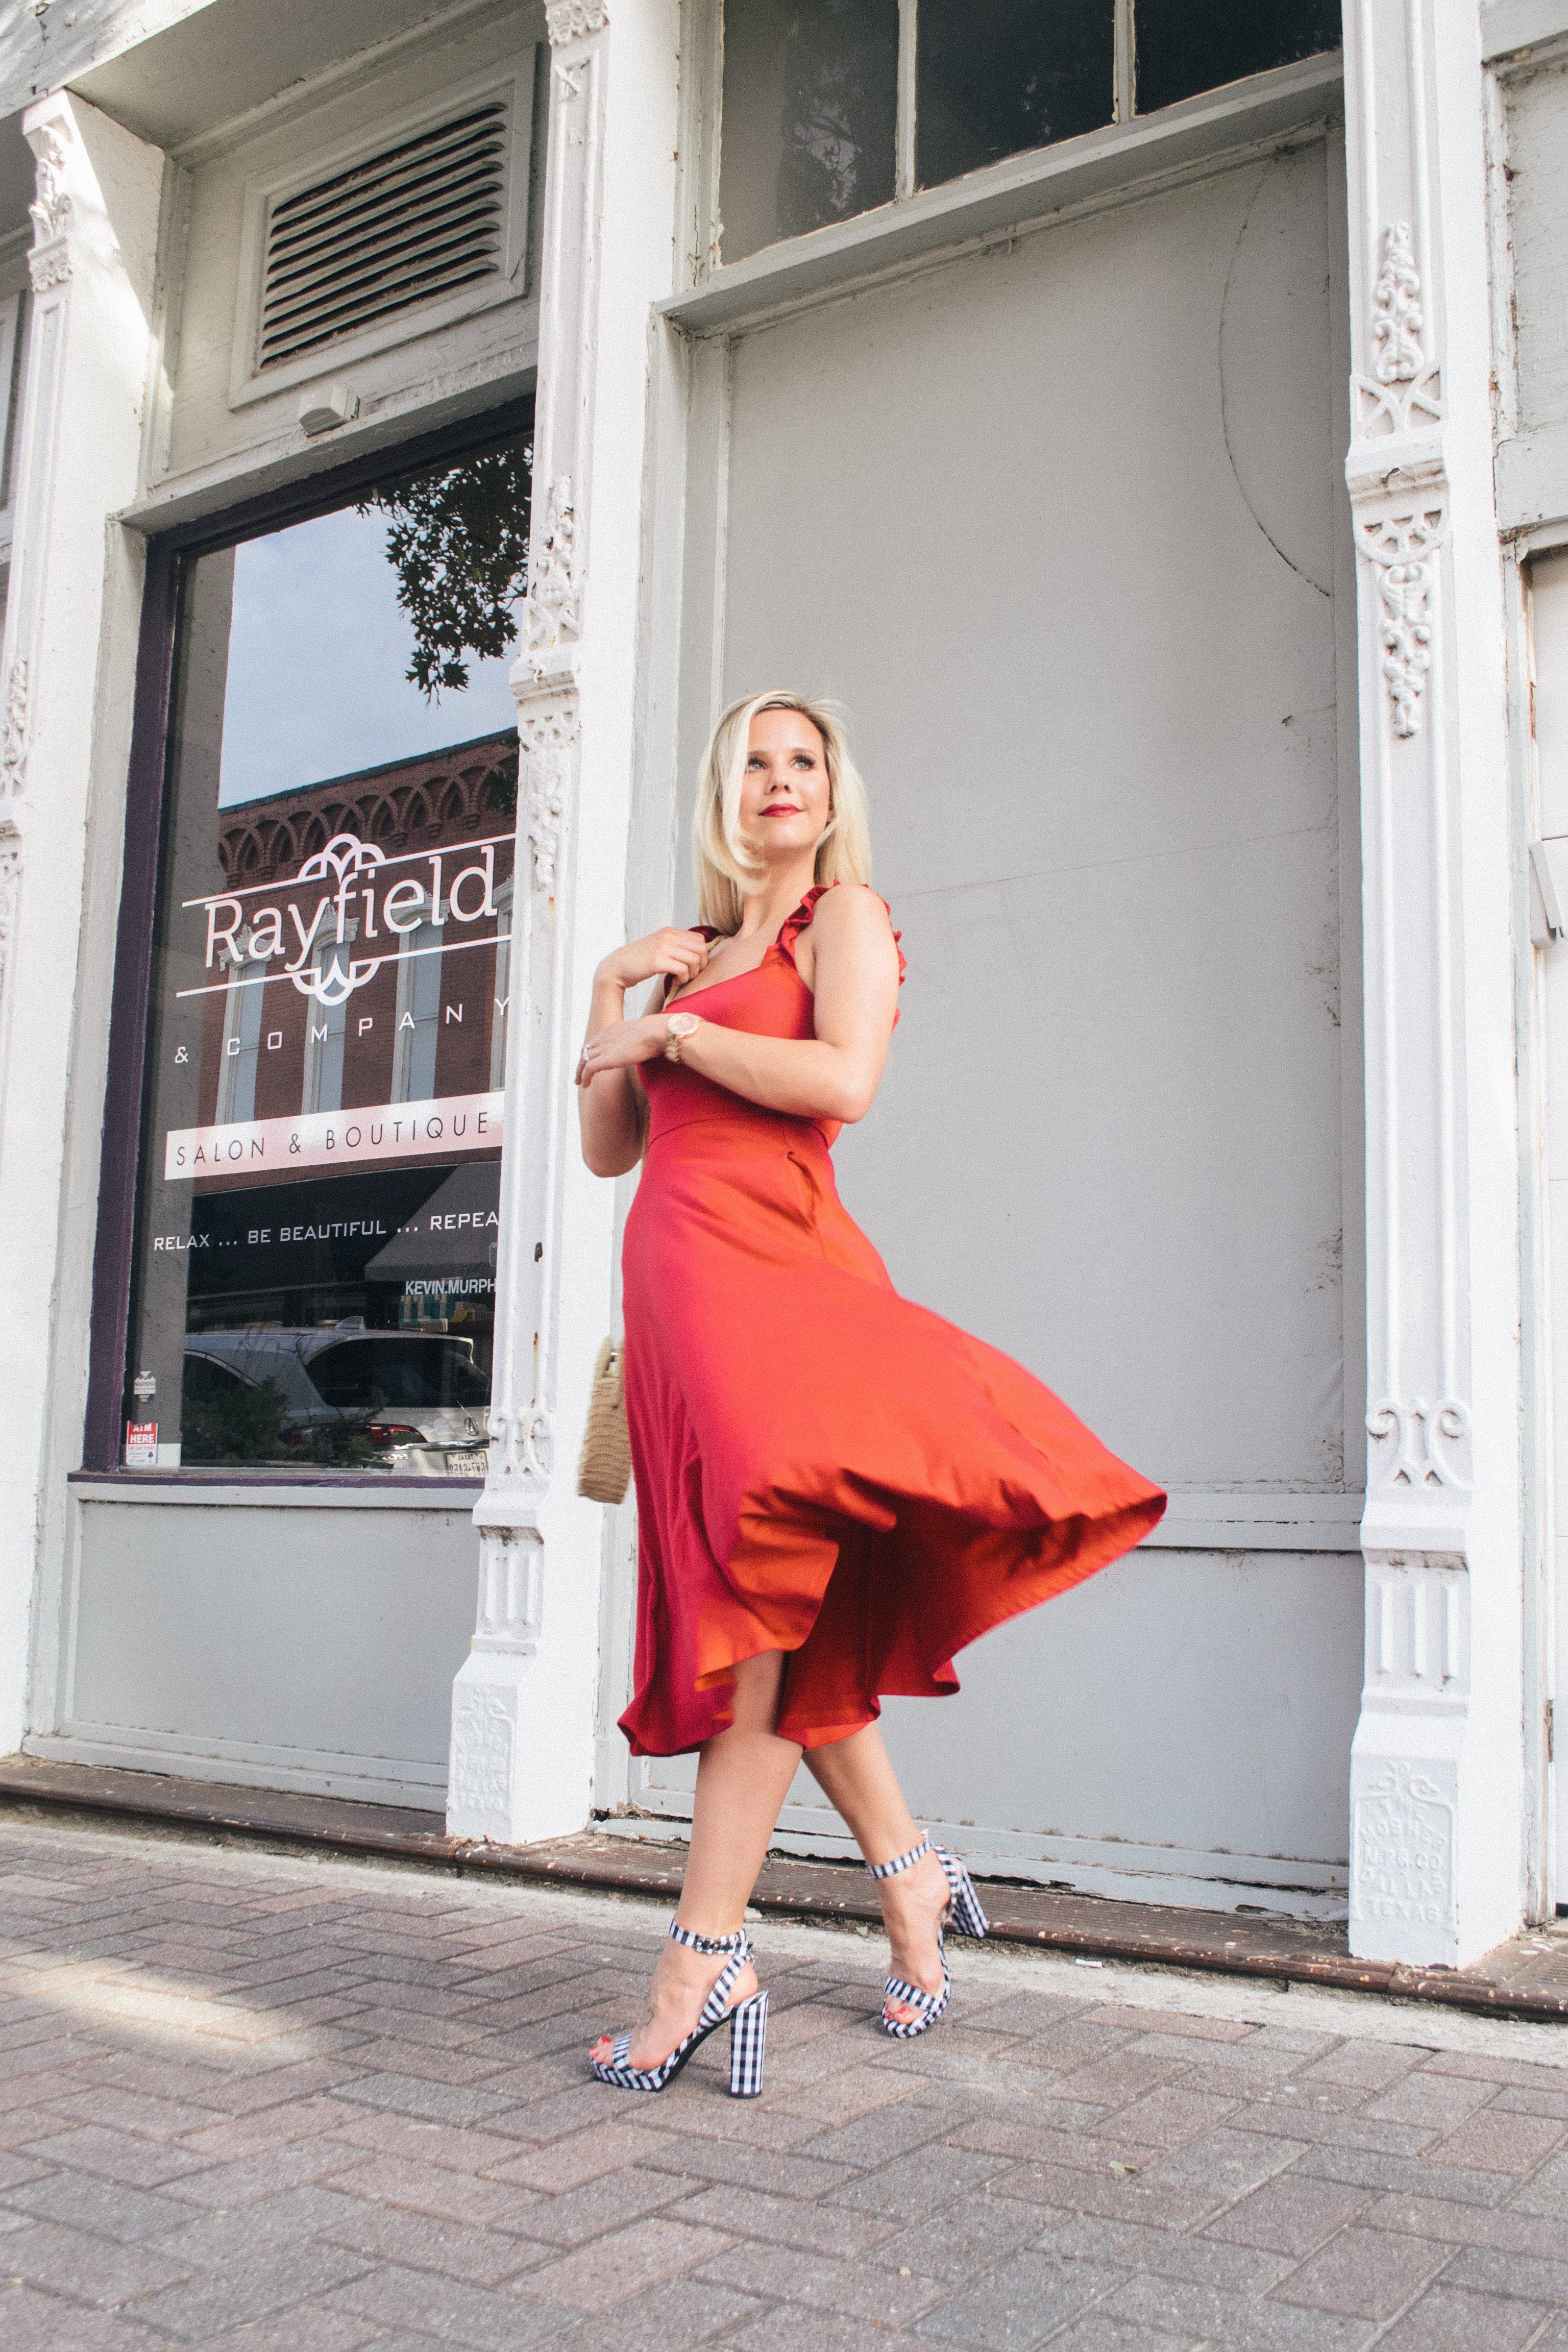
{"x":822,"y":1467}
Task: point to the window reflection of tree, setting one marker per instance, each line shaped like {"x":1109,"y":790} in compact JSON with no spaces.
{"x":458,"y":541}
{"x":840,"y":79}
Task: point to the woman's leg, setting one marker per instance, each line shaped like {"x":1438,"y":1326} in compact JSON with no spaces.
{"x":857,"y":1776}
{"x":742,"y":1776}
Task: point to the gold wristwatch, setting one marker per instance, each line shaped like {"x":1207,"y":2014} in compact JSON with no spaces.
{"x":679,"y":1025}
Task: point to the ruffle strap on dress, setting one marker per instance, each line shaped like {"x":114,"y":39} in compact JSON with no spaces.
{"x":792,"y":926}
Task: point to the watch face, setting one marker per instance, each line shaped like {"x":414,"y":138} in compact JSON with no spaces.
{"x":681,"y":1024}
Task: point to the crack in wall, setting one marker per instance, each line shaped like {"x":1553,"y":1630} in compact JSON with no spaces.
{"x":1326,"y":593}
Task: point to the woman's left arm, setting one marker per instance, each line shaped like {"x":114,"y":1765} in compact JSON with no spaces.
{"x":834,"y":1075}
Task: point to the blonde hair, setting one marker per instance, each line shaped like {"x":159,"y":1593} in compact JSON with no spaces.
{"x":722,"y":869}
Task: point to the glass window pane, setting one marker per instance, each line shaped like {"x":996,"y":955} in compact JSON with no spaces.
{"x":1185,"y":46}
{"x":995,"y":76}
{"x":314,"y":1278}
{"x":810,"y":120}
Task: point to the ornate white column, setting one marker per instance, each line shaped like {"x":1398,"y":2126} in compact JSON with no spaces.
{"x":522,"y":1711}
{"x":67,"y":666}
{"x":1437,"y":1869}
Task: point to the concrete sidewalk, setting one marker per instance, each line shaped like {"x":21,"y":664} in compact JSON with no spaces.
{"x":283,"y":2105}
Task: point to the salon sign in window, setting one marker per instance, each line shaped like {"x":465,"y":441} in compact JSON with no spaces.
{"x":319,"y":1189}
{"x":345,"y":976}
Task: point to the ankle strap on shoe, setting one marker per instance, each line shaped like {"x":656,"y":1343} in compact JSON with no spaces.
{"x":739,"y":1942}
{"x":900,"y":1862}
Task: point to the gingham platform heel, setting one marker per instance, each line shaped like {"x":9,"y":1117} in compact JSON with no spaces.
{"x":747,"y":2021}
{"x":963,"y":1916}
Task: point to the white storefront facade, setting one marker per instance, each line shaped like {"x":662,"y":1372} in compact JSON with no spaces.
{"x":1175,"y":493}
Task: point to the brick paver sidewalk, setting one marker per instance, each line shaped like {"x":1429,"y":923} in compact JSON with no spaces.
{"x":281,"y":2107}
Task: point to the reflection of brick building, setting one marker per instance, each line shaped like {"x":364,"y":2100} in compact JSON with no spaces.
{"x":430,"y":1021}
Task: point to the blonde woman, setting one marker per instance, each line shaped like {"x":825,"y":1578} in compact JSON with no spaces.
{"x":836,"y":1490}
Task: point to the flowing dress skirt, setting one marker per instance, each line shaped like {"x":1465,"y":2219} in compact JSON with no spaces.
{"x":822,"y":1467}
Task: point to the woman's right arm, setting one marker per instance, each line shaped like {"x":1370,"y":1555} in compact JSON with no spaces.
{"x":607,"y":1106}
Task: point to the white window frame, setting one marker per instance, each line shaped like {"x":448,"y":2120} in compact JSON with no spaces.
{"x":513,"y":83}
{"x":502,"y":985}
{"x":993,"y":202}
{"x":420,"y":999}
{"x":243,"y":1006}
{"x":321,"y":1080}
{"x":322,"y":1075}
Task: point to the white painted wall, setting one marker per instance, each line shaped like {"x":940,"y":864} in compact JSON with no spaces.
{"x":1530,"y":197}
{"x":1549,"y":598}
{"x":1105,"y":788}
{"x":1061,"y":524}
{"x":523,"y":1719}
{"x":199,"y":430}
{"x":1528,"y":40}
{"x":1438,"y":1772}
{"x":113,"y":313}
{"x":1537,"y":109}
{"x":293,"y":1640}
{"x":68,"y":667}
{"x":1440,"y":1762}
{"x":1175,"y":1731}
{"x":40,"y":49}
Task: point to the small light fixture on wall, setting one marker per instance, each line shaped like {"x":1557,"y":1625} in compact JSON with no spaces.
{"x":327,"y":406}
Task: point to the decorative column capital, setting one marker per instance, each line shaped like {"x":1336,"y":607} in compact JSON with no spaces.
{"x":50,"y":134}
{"x":574,"y":20}
{"x":70,"y":220}
{"x":14,"y":743}
{"x":1396,"y":475}
{"x":552,"y":621}
{"x":549,"y":723}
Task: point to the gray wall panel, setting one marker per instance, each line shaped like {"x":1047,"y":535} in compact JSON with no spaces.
{"x":333,"y":1633}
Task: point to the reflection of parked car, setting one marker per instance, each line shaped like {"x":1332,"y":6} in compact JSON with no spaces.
{"x":413,"y":1404}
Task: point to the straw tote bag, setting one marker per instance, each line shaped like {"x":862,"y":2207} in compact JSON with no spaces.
{"x":605,"y":1467}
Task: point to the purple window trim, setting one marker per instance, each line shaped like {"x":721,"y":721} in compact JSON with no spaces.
{"x":123,"y":1102}
{"x":124,"y":1093}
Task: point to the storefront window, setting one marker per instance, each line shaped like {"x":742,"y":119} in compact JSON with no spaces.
{"x":811,"y":105}
{"x":1187,"y":46}
{"x":314,"y":1277}
{"x":999,"y":76}
{"x":811,"y":93}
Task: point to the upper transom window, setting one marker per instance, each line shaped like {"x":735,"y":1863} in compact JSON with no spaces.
{"x":829,"y":111}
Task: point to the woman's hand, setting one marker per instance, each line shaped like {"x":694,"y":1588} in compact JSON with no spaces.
{"x":624,"y":1043}
{"x":835,"y":1073}
{"x":612,"y":1114}
{"x":680,"y":954}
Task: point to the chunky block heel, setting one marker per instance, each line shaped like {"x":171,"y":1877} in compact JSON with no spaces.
{"x":747,"y":2021}
{"x":963,"y":1916}
{"x":966,"y":1916}
{"x":748,"y":2041}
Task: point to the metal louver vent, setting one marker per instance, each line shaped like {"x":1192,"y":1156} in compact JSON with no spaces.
{"x":402,"y":227}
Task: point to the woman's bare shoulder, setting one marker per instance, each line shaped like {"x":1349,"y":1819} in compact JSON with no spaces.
{"x":851,"y":936}
{"x":851,"y":910}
